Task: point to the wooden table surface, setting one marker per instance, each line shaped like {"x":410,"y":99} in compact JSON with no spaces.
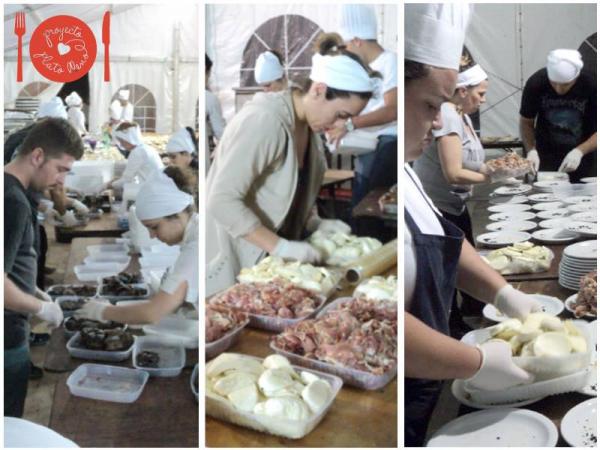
{"x":358,"y":418}
{"x":165,"y":415}
{"x":336,"y":176}
{"x":105,"y":226}
{"x":369,"y":206}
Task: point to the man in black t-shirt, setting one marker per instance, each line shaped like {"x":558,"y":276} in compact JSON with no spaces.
{"x":558,"y":117}
{"x":45,"y":157}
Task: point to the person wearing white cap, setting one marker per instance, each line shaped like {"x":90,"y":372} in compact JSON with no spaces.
{"x":358,"y":28}
{"x":437,"y":259}
{"x":269,"y":72}
{"x":75,"y":114}
{"x":142,"y":161}
{"x":182,"y":147}
{"x":168,"y":214}
{"x":270,"y":163}
{"x":121,"y":109}
{"x":558,"y":116}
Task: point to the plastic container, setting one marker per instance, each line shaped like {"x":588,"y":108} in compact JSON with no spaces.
{"x":158,"y":260}
{"x":278,"y":324}
{"x":108,"y":257}
{"x":108,"y":248}
{"x":116,"y":298}
{"x":107,"y":383}
{"x":86,"y":272}
{"x":51,"y":291}
{"x":176,"y":330}
{"x":193,"y":378}
{"x":63,"y":298}
{"x":221,"y":409}
{"x":215,"y":348}
{"x":76,"y":350}
{"x":171,"y":358}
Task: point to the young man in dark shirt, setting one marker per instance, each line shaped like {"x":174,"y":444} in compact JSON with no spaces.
{"x":46,"y":156}
{"x":558,"y":117}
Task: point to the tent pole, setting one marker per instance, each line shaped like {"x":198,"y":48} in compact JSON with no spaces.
{"x":176,"y":50}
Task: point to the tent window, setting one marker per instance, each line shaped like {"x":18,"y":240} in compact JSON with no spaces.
{"x":293,"y":36}
{"x":144,"y":106}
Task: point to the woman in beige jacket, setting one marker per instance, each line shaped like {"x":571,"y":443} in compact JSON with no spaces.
{"x":269,"y":166}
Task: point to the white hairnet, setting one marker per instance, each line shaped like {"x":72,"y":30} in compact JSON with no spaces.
{"x":358,"y":21}
{"x":564,"y":65}
{"x":73,"y":99}
{"x":342,"y":72}
{"x":267,"y":68}
{"x":471,"y":77}
{"x":159,"y":197}
{"x":181,"y":141}
{"x":133,"y":135}
{"x":52,"y":108}
{"x":123,"y":94}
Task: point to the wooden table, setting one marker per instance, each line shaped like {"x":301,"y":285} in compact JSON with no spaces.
{"x":105,"y":226}
{"x":335,"y":177}
{"x":358,"y":418}
{"x":165,"y":415}
{"x":369,"y":207}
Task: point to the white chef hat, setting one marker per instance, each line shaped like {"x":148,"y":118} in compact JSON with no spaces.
{"x":181,"y":141}
{"x":267,"y":68}
{"x":358,"y":21}
{"x":159,"y":197}
{"x":564,"y":65}
{"x":53,"y":108}
{"x":342,"y":72}
{"x":133,"y":135}
{"x":73,"y":99}
{"x":123,"y":94}
{"x":435,"y":33}
{"x":471,"y":77}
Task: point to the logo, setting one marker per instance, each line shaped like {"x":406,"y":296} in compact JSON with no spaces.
{"x":62,"y":48}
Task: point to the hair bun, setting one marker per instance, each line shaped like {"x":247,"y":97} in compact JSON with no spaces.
{"x":329,"y":44}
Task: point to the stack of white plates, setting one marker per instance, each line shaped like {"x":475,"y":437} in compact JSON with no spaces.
{"x":546,"y":186}
{"x":577,"y":260}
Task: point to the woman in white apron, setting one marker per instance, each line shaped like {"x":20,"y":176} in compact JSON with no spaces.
{"x":169,"y":215}
{"x":269,"y":166}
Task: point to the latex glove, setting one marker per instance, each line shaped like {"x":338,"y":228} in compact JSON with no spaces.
{"x":515,"y":303}
{"x":41,"y":295}
{"x":69,"y":219}
{"x":51,"y":216}
{"x":534,"y":158}
{"x":80,"y":207}
{"x":571,"y":161}
{"x":93,"y":310}
{"x":50,"y":312}
{"x":498,"y":371}
{"x":299,"y":251}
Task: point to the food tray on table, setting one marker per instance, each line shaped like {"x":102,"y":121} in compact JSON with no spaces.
{"x":171,"y":357}
{"x":193,"y":379}
{"x":108,"y":383}
{"x":177,"y":330}
{"x":352,"y":377}
{"x":215,"y":348}
{"x":70,"y":333}
{"x":294,"y":429}
{"x":68,"y":312}
{"x":117,"y":298}
{"x":76,"y":350}
{"x":80,"y":290}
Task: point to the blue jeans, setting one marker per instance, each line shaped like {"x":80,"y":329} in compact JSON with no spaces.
{"x":16,"y":376}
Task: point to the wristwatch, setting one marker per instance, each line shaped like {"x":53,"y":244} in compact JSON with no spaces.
{"x":349,"y":124}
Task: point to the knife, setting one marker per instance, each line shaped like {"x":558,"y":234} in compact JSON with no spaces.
{"x":106,"y":42}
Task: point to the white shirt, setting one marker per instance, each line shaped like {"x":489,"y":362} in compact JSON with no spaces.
{"x":123,"y":113}
{"x":77,"y":119}
{"x":419,"y":206}
{"x":214,"y":114}
{"x":187,"y":265}
{"x":386,"y":64}
{"x":142,"y":162}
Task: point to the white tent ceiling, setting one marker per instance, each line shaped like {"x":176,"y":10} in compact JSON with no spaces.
{"x":143,"y":39}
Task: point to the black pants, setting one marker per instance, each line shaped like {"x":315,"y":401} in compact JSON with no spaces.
{"x":470,"y":306}
{"x":16,"y":376}
{"x":420,"y":398}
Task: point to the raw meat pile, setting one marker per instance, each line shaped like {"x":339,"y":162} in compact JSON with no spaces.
{"x":586,"y":297}
{"x":360,"y":334}
{"x":277,"y":298}
{"x":218,"y":321}
{"x":510,"y":161}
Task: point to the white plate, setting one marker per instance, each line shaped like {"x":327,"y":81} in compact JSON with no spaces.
{"x":549,"y":184}
{"x":458,"y":390}
{"x":512,"y":181}
{"x":513,"y":217}
{"x":588,"y":180}
{"x":498,"y":427}
{"x":502,"y":238}
{"x":554,"y":235}
{"x":550,"y":305}
{"x":583,"y":228}
{"x":21,"y":433}
{"x":582,"y":207}
{"x":587,"y":216}
{"x":579,"y":424}
{"x":511,"y":225}
{"x":509,"y":208}
{"x":512,"y":190}
{"x":553,"y":214}
{"x":544,"y":197}
{"x":583,"y":250}
{"x":555,"y":223}
{"x":567,"y":285}
{"x":570,"y":305}
{"x":580,"y":199}
{"x":505,"y":200}
{"x":547,"y":206}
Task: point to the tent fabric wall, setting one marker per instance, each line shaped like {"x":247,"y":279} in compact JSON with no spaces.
{"x":227,"y":35}
{"x":511,"y":42}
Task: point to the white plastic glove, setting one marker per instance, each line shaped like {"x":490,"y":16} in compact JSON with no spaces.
{"x":515,"y":303}
{"x":80,"y":207}
{"x":571,"y":161}
{"x":534,"y":157}
{"x":498,"y":371}
{"x":41,"y":295}
{"x":51,"y":216}
{"x":69,"y":219}
{"x":92,"y":310}
{"x":299,"y":251}
{"x":50,"y":312}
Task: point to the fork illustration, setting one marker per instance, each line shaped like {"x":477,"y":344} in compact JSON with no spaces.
{"x":20,"y":31}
